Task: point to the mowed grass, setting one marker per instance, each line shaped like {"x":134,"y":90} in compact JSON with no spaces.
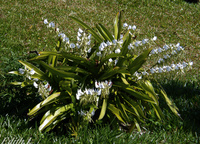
{"x":22,"y":30}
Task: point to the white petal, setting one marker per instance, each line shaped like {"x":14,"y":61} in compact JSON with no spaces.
{"x":80,"y":30}
{"x":116,"y":61}
{"x":21,"y":71}
{"x":129,"y":27}
{"x":32,"y":72}
{"x":125,"y":25}
{"x":89,"y":37}
{"x":117,"y":51}
{"x":89,"y":50}
{"x":79,"y":34}
{"x":96,"y":84}
{"x":35,"y":84}
{"x":45,"y":21}
{"x":190,"y":63}
{"x":154,"y":38}
{"x":72,"y":45}
{"x":51,"y":24}
{"x":77,"y":45}
{"x":99,"y":54}
{"x":133,"y":27}
{"x":110,"y":60}
{"x":46,"y":85}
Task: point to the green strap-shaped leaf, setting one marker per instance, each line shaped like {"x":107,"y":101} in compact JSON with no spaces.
{"x":49,"y":119}
{"x":147,"y":86}
{"x":66,"y":75}
{"x":106,"y":58}
{"x":115,"y":111}
{"x":16,"y":83}
{"x":103,"y":109}
{"x":106,"y":32}
{"x":158,"y":111}
{"x":117,"y":25}
{"x":133,"y":92}
{"x":126,"y":35}
{"x":14,"y":72}
{"x":111,"y":72}
{"x":30,"y":67}
{"x":77,"y":59}
{"x":95,"y":35}
{"x":58,"y":46}
{"x":172,"y":106}
{"x":124,"y":80}
{"x":73,"y":69}
{"x":39,"y":57}
{"x":124,"y":50}
{"x":102,"y":34}
{"x":41,"y":77}
{"x":122,"y":109}
{"x":137,"y":125}
{"x":47,"y":101}
{"x":44,"y":55}
{"x":131,"y":111}
{"x":48,"y":53}
{"x":50,"y":98}
{"x":139,"y":61}
{"x":125,"y":45}
{"x":45,"y":116}
{"x":135,"y":106}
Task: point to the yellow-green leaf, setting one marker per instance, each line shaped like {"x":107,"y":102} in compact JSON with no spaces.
{"x":115,"y":111}
{"x":147,"y":86}
{"x":66,"y":75}
{"x":103,"y":109}
{"x":49,"y":119}
{"x":30,"y":67}
{"x":14,"y":72}
{"x":172,"y":106}
{"x":96,"y":36}
{"x":47,"y":101}
{"x":139,"y":61}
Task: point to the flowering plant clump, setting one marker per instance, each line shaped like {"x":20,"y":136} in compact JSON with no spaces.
{"x":99,"y":77}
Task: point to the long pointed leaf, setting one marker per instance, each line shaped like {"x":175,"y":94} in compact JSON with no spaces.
{"x":135,"y":106}
{"x":106,"y":32}
{"x":30,"y":67}
{"x":111,"y":72}
{"x":117,"y":25}
{"x":113,"y":55}
{"x":147,"y":86}
{"x":133,"y":92}
{"x":53,"y":117}
{"x":66,"y":75}
{"x":115,"y":111}
{"x":172,"y":106}
{"x":103,"y":35}
{"x":47,"y":101}
{"x":139,"y":61}
{"x":95,"y":35}
{"x":124,"y":50}
{"x":103,"y":109}
{"x":158,"y":111}
{"x":122,"y":110}
{"x":73,"y":69}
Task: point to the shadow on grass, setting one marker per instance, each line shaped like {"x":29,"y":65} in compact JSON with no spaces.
{"x":193,"y":1}
{"x":186,"y":96}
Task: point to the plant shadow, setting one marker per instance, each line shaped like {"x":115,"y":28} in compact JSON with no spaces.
{"x":186,"y":96}
{"x":192,"y":1}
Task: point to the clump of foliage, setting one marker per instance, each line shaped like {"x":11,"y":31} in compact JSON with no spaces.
{"x":101,"y":77}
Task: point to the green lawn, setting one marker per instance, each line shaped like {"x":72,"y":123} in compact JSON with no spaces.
{"x":22,"y":30}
